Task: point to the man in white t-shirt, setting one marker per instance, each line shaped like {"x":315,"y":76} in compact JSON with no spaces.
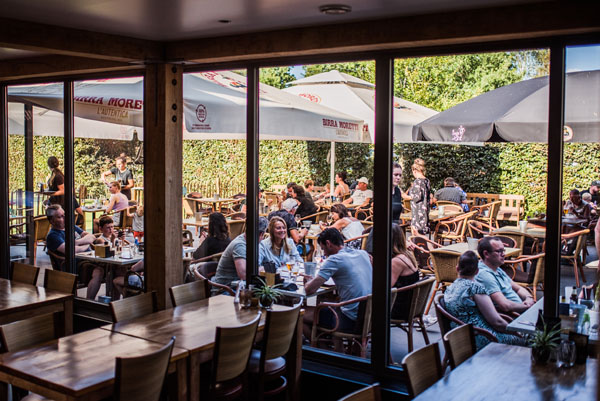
{"x":361,"y":196}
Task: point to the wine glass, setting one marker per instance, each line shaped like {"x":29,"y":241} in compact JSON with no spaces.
{"x":298,"y":217}
{"x":329,"y":219}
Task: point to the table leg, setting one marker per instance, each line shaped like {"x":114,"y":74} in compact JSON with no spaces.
{"x":68,"y":316}
{"x":3,"y":391}
{"x":194,"y":376}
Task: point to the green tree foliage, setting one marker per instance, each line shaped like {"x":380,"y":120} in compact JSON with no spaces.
{"x":277,"y":77}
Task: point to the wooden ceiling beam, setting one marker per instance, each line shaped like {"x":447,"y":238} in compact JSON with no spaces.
{"x":76,"y":42}
{"x":48,"y":66}
{"x":452,"y":28}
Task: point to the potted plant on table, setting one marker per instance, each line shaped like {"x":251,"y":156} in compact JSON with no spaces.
{"x":267,"y":294}
{"x":543,"y":342}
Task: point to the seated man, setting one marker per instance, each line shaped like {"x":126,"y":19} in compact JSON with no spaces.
{"x":55,"y":240}
{"x":593,"y":191}
{"x":361,"y":196}
{"x":450,"y":192}
{"x":506,"y":295}
{"x":232,"y":265}
{"x":306,"y":206}
{"x":577,"y":206}
{"x":352,"y":273}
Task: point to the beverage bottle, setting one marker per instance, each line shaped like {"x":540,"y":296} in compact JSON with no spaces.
{"x":241,"y":286}
{"x":137,"y":245}
{"x":574,"y":298}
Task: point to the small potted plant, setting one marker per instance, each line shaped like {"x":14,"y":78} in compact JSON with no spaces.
{"x":267,"y":294}
{"x":543,"y":342}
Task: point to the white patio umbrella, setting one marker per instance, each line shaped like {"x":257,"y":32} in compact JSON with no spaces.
{"x":214,"y":108}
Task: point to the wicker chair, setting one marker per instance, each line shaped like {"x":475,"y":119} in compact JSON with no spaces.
{"x":533,"y":279}
{"x":453,"y":229}
{"x":460,"y":344}
{"x":478,"y":229}
{"x":444,"y":265}
{"x":577,"y":259}
{"x":488,"y":213}
{"x":521,"y":240}
{"x":422,"y":253}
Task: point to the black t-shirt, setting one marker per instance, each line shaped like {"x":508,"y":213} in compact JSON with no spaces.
{"x":123,"y":177}
{"x":306,"y":206}
{"x":396,"y":204}
{"x":56,"y":179}
{"x":210,"y":246}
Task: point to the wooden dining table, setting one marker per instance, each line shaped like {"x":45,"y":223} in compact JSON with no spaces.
{"x":194,"y":325}
{"x":505,"y":372}
{"x":80,"y":366}
{"x":20,"y":301}
{"x":462,"y":247}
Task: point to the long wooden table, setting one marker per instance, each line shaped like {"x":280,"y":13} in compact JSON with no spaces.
{"x":20,"y":301}
{"x":79,"y":367}
{"x":505,"y":372}
{"x":194,"y":325}
{"x":462,"y":247}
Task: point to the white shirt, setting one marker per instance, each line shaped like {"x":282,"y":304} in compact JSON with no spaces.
{"x":359,"y":197}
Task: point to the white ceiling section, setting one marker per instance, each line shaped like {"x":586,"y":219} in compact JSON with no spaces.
{"x":167,"y":20}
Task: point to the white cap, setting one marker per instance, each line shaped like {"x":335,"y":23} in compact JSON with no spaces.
{"x":363,"y":179}
{"x":289,"y":204}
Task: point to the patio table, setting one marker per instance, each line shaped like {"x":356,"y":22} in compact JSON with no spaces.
{"x":112,"y":263}
{"x":462,"y":247}
{"x":526,"y":321}
{"x":505,"y":372}
{"x":434,"y":215}
{"x":536,"y":232}
{"x":194,"y":324}
{"x":20,"y":301}
{"x":80,"y":366}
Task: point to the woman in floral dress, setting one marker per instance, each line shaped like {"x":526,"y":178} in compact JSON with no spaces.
{"x":419,"y":195}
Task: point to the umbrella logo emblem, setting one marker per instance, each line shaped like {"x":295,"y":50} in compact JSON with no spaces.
{"x":458,"y":135}
{"x":201,"y":113}
{"x":311,"y":97}
{"x":567,"y":133}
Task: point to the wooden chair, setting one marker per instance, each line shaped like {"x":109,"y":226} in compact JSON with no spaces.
{"x":316,"y":218}
{"x":512,"y":207}
{"x":533,"y":279}
{"x":267,"y":365}
{"x":420,"y":293}
{"x":452,"y":207}
{"x":60,"y":281}
{"x":363,"y":213}
{"x":521,"y":239}
{"x":460,"y":344}
{"x":206,"y":266}
{"x":27,"y":333}
{"x":126,"y":221}
{"x":422,"y":253}
{"x":362,"y":238}
{"x":236,"y":216}
{"x":188,"y":238}
{"x":453,"y":229}
{"x":577,"y":259}
{"x":370,"y":393}
{"x":141,"y":378}
{"x":25,"y":273}
{"x":488,"y":213}
{"x":213,"y":285}
{"x":233,"y":346}
{"x":188,"y":207}
{"x":423,"y":368}
{"x":189,"y":292}
{"x":444,"y":268}
{"x":446,"y":321}
{"x":479,"y":229}
{"x":56,"y":260}
{"x":508,"y":242}
{"x":132,"y":307}
{"x":359,"y":337}
{"x":447,"y":203}
{"x":236,"y":227}
{"x":41,"y":227}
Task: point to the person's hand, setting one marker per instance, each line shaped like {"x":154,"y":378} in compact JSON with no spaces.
{"x":410,"y":245}
{"x":529,"y":301}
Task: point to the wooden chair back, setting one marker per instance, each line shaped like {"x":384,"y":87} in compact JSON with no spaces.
{"x":278,"y":332}
{"x":460,"y":344}
{"x":478,"y":229}
{"x":41,"y":227}
{"x":132,"y":307}
{"x":420,"y":295}
{"x":189,"y":292}
{"x":316,"y":218}
{"x":232,"y":350}
{"x":60,"y":281}
{"x":25,"y":273}
{"x":488,"y":213}
{"x":127,"y":221}
{"x":446,"y":203}
{"x":370,"y":393}
{"x":507,"y":241}
{"x":362,"y":238}
{"x":512,"y":207}
{"x":452,"y":207}
{"x":423,"y":251}
{"x":423,"y":368}
{"x":57,"y":260}
{"x":444,"y":263}
{"x":236,"y":227}
{"x":188,"y":238}
{"x":188,"y":207}
{"x":141,"y":378}
{"x":26,"y":333}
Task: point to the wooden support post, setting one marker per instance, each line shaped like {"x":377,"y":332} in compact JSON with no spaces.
{"x":163,"y":145}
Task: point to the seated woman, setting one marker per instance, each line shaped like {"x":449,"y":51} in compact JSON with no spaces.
{"x":404,"y":272}
{"x":116,"y":203}
{"x":348,"y":226}
{"x":468,"y":301}
{"x":217,"y":238}
{"x":278,"y":248}
{"x":341,"y":189}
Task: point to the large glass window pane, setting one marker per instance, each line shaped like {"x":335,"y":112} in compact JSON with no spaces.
{"x":316,"y":171}
{"x":214,"y":175}
{"x":109,"y":181}
{"x":480,"y":169}
{"x":36,"y":170}
{"x":581,"y":177}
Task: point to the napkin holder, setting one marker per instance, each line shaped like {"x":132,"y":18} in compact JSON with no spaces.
{"x":270,"y":278}
{"x":103,"y":251}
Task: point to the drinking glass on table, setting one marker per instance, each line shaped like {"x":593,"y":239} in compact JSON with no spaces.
{"x":298,"y":218}
{"x":329,"y":219}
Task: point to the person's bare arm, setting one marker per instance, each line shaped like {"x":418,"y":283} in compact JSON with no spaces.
{"x":486,"y":307}
{"x":298,"y":235}
{"x":311,"y":286}
{"x":504,"y":305}
{"x":111,"y":203}
{"x":60,"y":190}
{"x":105,"y":174}
{"x":365,"y":203}
{"x":523,"y":294}
{"x":240,"y":268}
{"x":85,"y":239}
{"x":129,"y":184}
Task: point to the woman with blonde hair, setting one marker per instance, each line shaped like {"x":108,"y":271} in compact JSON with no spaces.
{"x":278,"y":248}
{"x":419,"y":195}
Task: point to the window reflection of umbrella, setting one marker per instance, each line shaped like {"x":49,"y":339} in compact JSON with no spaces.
{"x":519,"y":113}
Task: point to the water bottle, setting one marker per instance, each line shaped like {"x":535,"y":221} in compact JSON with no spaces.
{"x":137,"y":246}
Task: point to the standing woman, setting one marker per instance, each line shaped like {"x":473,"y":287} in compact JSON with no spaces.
{"x":419,"y":195}
{"x":56,"y":183}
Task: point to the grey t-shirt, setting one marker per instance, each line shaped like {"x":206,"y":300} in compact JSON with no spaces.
{"x":353,"y":276}
{"x":451,"y":194}
{"x":226,"y":272}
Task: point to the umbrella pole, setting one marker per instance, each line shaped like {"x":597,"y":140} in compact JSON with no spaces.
{"x":332,"y":169}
